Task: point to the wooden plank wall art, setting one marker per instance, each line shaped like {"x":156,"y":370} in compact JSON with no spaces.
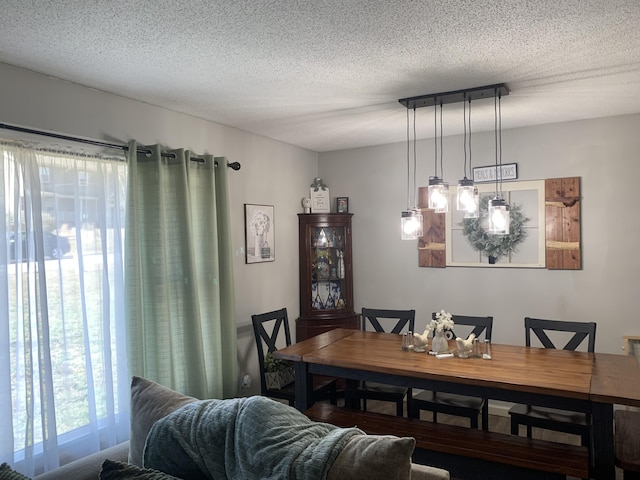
{"x":431,"y":246}
{"x":562,"y":228}
{"x":562,"y":214}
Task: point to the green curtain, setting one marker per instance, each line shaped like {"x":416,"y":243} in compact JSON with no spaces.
{"x":180,"y":308}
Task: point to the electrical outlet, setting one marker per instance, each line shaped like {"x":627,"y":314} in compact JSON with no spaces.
{"x":245,"y":382}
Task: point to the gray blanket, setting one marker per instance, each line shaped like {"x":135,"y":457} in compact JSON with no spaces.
{"x":243,"y":439}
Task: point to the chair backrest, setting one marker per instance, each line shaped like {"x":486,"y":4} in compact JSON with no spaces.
{"x":405,"y":319}
{"x":581,"y":331}
{"x":276,"y":320}
{"x":481,"y":325}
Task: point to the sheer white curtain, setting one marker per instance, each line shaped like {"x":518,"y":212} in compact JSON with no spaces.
{"x":64,"y":384}
{"x":181,"y":325}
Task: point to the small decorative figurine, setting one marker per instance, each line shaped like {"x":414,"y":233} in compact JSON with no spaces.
{"x":465,"y":346}
{"x":421,"y":340}
{"x":306,"y":204}
{"x":318,"y":184}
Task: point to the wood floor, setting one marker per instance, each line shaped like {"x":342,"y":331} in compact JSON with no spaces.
{"x":497,"y":423}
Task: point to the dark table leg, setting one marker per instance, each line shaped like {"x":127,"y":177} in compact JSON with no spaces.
{"x":602,"y":453}
{"x":304,"y":387}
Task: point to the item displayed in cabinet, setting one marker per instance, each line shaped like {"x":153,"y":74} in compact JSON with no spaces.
{"x":340,"y":271}
{"x":322,"y":264}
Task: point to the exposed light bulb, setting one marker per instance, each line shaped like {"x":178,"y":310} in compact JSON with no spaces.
{"x":438,"y":195}
{"x":498,"y":219}
{"x":411,"y":224}
{"x":468,"y":199}
{"x":498,"y":216}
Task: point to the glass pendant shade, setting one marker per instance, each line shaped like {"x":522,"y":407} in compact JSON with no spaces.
{"x":468,"y":198}
{"x":438,"y":195}
{"x":498,"y":216}
{"x":411,"y":224}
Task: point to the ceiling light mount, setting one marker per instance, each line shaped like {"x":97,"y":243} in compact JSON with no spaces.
{"x":456,"y":96}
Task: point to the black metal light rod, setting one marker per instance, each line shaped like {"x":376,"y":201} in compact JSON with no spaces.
{"x":477,"y":93}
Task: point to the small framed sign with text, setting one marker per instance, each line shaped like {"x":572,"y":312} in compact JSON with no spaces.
{"x":488,"y":174}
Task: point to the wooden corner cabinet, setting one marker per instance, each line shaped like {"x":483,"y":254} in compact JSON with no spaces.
{"x":326,"y":275}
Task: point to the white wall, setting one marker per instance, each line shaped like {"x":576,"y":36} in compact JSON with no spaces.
{"x":603,"y":152}
{"x":272,"y":173}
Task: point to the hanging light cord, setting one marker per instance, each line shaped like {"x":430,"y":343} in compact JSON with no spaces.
{"x":435,"y":138}
{"x":495,"y":135}
{"x":464,"y":122}
{"x":408,"y":157}
{"x":470,"y":169}
{"x":413,"y":190}
{"x":500,"y":137}
{"x":441,"y":149}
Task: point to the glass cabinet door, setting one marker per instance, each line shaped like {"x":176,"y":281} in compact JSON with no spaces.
{"x":328,"y":274}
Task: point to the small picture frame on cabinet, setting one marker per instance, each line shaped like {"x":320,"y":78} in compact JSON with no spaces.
{"x":342,"y":204}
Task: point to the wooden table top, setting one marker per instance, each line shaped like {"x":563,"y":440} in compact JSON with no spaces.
{"x":580,"y":375}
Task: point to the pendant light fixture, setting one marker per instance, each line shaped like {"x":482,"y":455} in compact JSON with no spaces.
{"x":498,"y":211}
{"x":468,"y":199}
{"x":438,"y":190}
{"x":411,"y":221}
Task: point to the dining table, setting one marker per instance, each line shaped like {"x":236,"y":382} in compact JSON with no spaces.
{"x":592,"y":383}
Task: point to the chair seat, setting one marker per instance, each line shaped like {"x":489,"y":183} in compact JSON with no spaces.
{"x":380,"y":387}
{"x":450,"y":399}
{"x":319,"y":384}
{"x":545,"y":414}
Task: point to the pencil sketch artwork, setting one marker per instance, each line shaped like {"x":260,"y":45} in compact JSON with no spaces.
{"x":259,"y":233}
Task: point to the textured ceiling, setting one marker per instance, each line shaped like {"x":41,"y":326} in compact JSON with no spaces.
{"x":327,"y":74}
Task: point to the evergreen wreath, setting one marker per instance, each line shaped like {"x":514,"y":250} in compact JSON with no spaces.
{"x":490,"y":244}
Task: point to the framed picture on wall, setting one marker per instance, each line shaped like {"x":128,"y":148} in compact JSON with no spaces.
{"x":259,"y":229}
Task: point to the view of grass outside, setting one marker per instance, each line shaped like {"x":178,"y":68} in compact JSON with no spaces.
{"x":71,"y":356}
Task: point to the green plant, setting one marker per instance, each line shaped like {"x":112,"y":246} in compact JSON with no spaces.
{"x":475,"y":229}
{"x":273,"y":364}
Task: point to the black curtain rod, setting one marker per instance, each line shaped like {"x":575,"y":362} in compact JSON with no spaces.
{"x":232,"y":165}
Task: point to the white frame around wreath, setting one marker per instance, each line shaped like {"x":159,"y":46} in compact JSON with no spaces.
{"x":531,"y":254}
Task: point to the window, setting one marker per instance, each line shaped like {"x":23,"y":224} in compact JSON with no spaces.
{"x":44,"y":175}
{"x":62,"y":344}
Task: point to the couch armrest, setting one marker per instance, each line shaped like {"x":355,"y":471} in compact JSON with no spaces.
{"x":87,"y":468}
{"x":424,"y":472}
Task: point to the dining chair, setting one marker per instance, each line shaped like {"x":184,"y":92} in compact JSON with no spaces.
{"x":453,"y":403}
{"x":269,"y":328}
{"x":390,"y":321}
{"x":565,"y":421}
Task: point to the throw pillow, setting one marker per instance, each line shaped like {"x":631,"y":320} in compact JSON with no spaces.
{"x":150,"y":402}
{"x":112,"y":470}
{"x":8,"y":473}
{"x":374,"y":457}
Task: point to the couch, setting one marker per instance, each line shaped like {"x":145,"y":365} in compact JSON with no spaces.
{"x":152,"y":405}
